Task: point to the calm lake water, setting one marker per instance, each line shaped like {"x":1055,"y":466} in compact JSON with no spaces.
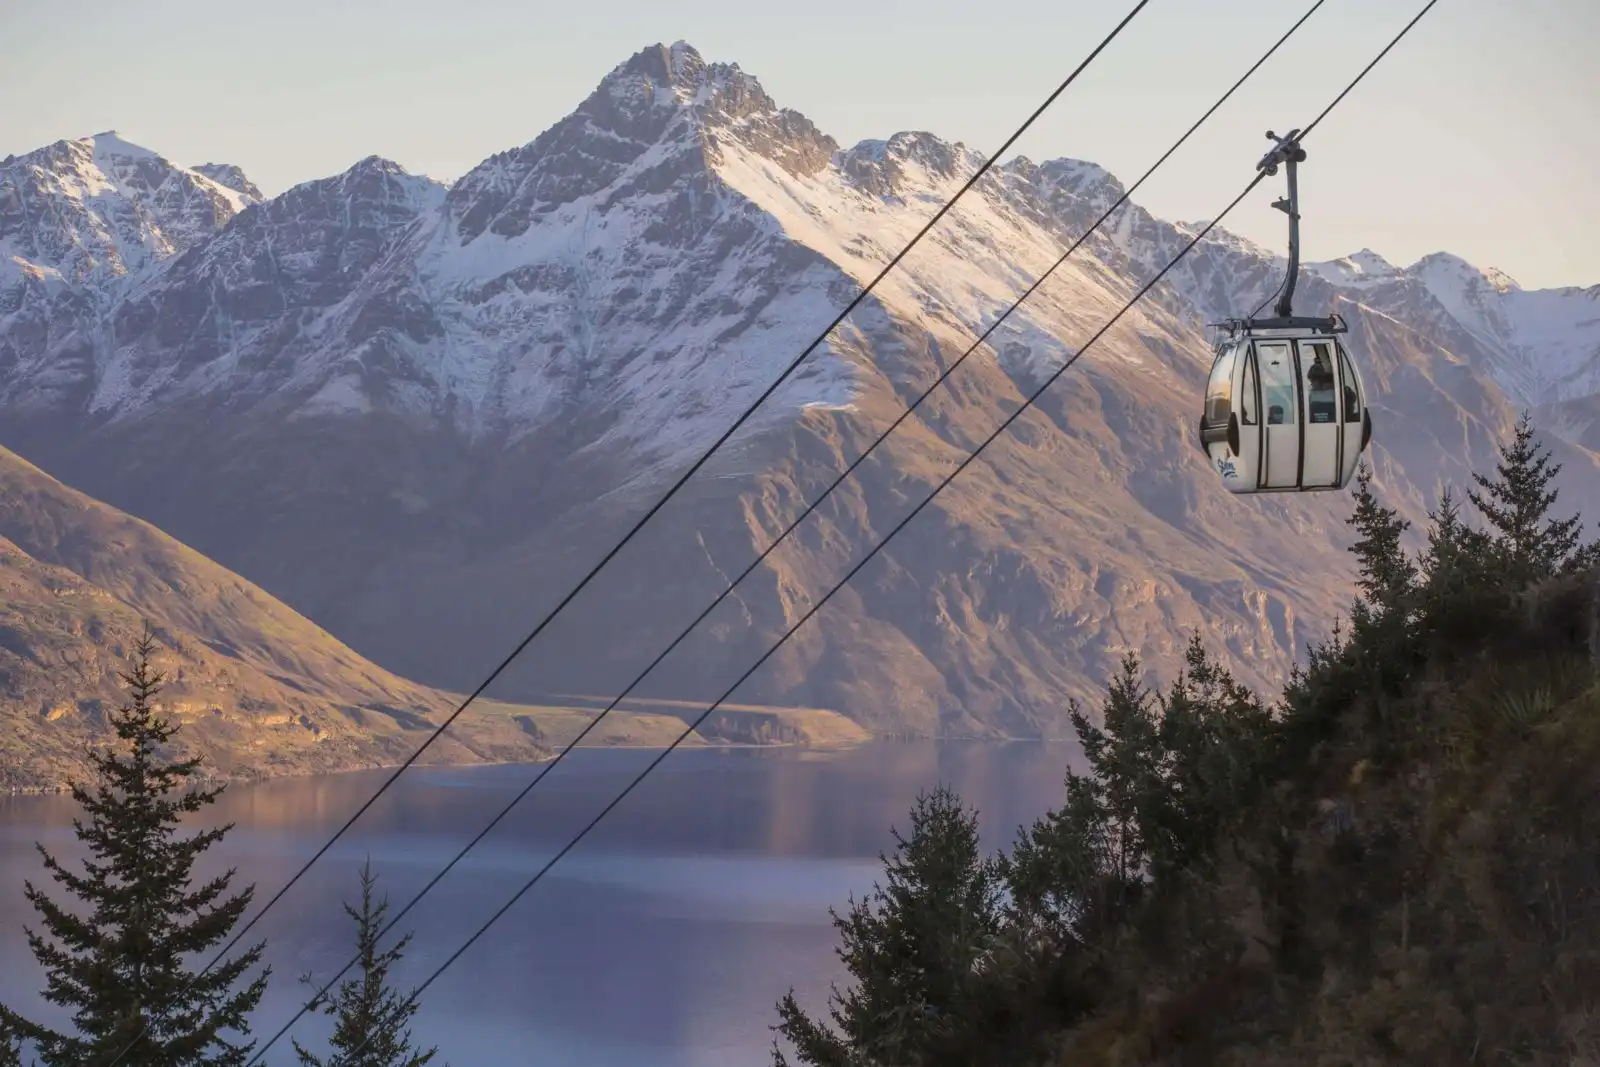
{"x":662,"y":940}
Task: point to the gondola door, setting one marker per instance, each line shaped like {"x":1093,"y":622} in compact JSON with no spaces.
{"x":1280,"y":403}
{"x":1321,"y":444}
{"x":1354,"y":412}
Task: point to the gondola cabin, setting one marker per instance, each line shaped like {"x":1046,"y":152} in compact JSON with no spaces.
{"x":1284,"y":407}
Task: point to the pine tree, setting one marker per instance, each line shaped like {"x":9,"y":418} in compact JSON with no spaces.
{"x":120,"y":964}
{"x":1125,"y":761}
{"x":1454,"y":550}
{"x":1459,"y":594}
{"x":1382,"y":635}
{"x":1064,"y":874}
{"x":1517,"y":502}
{"x":370,"y":1028}
{"x":914,"y":947}
{"x":1314,"y":696}
{"x":1216,"y":739}
{"x":1167,"y":771}
{"x":1388,"y":576}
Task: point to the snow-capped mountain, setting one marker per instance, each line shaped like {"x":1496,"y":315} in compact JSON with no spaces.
{"x":1544,"y":344}
{"x":417,"y":414}
{"x":230,"y":176}
{"x":93,"y":211}
{"x":237,"y":314}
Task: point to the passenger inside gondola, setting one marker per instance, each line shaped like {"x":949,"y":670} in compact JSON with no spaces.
{"x":1320,"y":403}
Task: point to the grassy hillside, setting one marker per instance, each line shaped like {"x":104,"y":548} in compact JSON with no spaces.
{"x":260,"y":689}
{"x":755,"y":724}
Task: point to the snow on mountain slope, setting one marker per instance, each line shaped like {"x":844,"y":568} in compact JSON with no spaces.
{"x":230,"y":176}
{"x":412,"y":412}
{"x":604,"y":266}
{"x":964,"y":273}
{"x":1363,"y":268}
{"x":1546,"y":342}
{"x":219,"y":313}
{"x":82,"y":223}
{"x":636,"y":286}
{"x":664,"y":205}
{"x":98,"y":208}
{"x":1541,"y":346}
{"x":680,"y":201}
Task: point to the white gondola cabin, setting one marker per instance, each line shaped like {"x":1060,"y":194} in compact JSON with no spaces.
{"x":1284,"y":408}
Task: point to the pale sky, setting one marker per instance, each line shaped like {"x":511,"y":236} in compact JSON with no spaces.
{"x":1477,"y":135}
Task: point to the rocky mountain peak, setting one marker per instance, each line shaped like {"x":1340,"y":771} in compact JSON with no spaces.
{"x":230,"y":176}
{"x":381,"y":180}
{"x":677,"y":76}
{"x":882,"y":167}
{"x":663,"y":114}
{"x":1359,"y":270}
{"x":1372,"y":263}
{"x":266,"y":277}
{"x":1071,"y":188}
{"x":678,"y":67}
{"x":99,"y":208}
{"x":1088,"y":181}
{"x":1449,"y":270}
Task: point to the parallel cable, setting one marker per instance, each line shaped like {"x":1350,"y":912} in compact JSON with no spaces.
{"x":815,"y":607}
{"x":1260,"y":176}
{"x":670,"y":493}
{"x":546,"y":768}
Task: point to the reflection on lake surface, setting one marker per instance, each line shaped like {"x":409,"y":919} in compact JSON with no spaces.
{"x":662,"y":940}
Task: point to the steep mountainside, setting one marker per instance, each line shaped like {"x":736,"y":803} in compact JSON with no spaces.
{"x":260,"y":689}
{"x":418,"y":414}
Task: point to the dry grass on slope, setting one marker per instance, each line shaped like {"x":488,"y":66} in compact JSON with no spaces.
{"x":259,"y":688}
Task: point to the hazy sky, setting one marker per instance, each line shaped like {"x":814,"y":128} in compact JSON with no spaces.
{"x":1477,"y":135}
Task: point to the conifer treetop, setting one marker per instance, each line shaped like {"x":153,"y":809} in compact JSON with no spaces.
{"x":371,"y":1016}
{"x":1517,"y":501}
{"x":118,"y":959}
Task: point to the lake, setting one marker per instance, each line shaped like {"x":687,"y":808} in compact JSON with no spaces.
{"x":663,"y":939}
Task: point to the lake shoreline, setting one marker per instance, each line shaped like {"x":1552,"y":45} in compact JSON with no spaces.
{"x":292,"y":773}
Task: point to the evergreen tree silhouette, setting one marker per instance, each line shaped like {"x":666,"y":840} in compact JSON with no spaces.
{"x":118,"y":963}
{"x":370,"y":1027}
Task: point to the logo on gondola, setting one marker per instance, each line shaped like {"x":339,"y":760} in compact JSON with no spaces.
{"x":1226,"y":468}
